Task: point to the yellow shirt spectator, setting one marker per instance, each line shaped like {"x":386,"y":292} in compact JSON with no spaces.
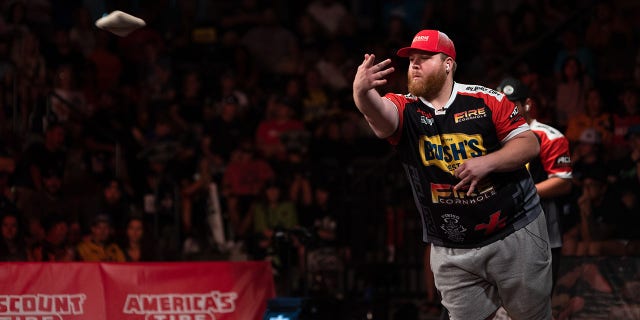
{"x":97,"y":247}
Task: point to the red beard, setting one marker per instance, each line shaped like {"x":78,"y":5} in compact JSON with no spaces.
{"x":429,"y":87}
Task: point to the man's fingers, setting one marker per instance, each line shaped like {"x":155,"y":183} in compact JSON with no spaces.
{"x":368,"y":60}
{"x":472,"y":187}
{"x":385,"y":72}
{"x":466,"y":181}
{"x":377,"y":83}
{"x":372,"y":75}
{"x":460,"y":185}
{"x":383,"y":64}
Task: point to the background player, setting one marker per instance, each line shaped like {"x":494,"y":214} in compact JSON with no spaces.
{"x":551,"y":169}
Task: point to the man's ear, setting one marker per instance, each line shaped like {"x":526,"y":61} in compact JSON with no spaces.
{"x":528,"y":103}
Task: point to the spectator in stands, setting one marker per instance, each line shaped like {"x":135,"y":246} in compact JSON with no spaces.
{"x":161,"y":143}
{"x":628,"y":188}
{"x":111,"y":200}
{"x":246,"y":69}
{"x":229,"y":90}
{"x":188,"y":109}
{"x":602,"y":213}
{"x":334,"y":67}
{"x":159,"y":80}
{"x":227,"y":129}
{"x":609,"y":35}
{"x":195,"y":203}
{"x":327,"y":250}
{"x":296,"y":173}
{"x":274,"y":220}
{"x":396,"y":31}
{"x":13,"y":246}
{"x":7,"y":169}
{"x":572,"y":45}
{"x":310,"y":37}
{"x":571,"y":90}
{"x":7,"y":68}
{"x":37,"y":205}
{"x":589,"y":282}
{"x":329,"y":150}
{"x":603,"y":25}
{"x":82,"y":33}
{"x":98,"y":247}
{"x":595,"y":115}
{"x":55,"y":246}
{"x":40,"y":156}
{"x":587,"y":152}
{"x":528,"y":30}
{"x":107,"y":63}
{"x":157,"y":198}
{"x":293,"y":92}
{"x":329,"y":14}
{"x":243,"y":181}
{"x":29,"y":61}
{"x":625,"y":116}
{"x":15,"y":20}
{"x":273,"y":45}
{"x":60,"y":51}
{"x":242,"y":17}
{"x":278,"y":121}
{"x":102,"y":131}
{"x":315,"y":100}
{"x":135,"y":244}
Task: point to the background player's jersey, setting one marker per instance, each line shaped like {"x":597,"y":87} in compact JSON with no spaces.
{"x":554,"y":160}
{"x":431,"y":145}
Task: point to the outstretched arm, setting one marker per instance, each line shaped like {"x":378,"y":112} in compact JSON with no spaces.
{"x":380,"y":113}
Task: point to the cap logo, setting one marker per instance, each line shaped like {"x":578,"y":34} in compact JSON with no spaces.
{"x":508,"y":90}
{"x":432,"y":41}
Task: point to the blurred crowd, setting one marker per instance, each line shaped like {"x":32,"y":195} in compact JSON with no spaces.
{"x":227,"y":130}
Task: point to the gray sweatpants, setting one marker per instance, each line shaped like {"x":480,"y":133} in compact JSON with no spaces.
{"x":514,"y":273}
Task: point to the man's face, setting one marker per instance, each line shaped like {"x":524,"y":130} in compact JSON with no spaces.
{"x":56,"y":137}
{"x":52,"y":184}
{"x":58,"y":233}
{"x":7,"y":167}
{"x":112,"y":192}
{"x":100,"y":232}
{"x":593,"y":188}
{"x":9,"y":227}
{"x":426,"y":75}
{"x":135,"y":230}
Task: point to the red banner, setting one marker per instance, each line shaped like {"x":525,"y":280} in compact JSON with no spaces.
{"x":135,"y":291}
{"x":52,"y":291}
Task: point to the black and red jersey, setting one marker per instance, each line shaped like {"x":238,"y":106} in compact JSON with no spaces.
{"x":432,"y":144}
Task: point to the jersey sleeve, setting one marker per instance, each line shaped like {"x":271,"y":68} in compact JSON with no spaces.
{"x":555,"y":156}
{"x":507,"y":119}
{"x":400,"y":101}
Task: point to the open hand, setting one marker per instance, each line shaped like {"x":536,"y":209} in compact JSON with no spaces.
{"x":370,"y":75}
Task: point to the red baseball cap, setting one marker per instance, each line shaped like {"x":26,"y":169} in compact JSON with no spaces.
{"x":430,"y":41}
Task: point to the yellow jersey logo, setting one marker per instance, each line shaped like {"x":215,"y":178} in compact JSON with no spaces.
{"x":449,"y":151}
